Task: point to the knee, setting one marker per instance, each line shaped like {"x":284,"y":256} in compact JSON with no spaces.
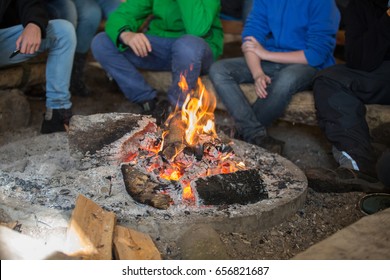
{"x":63,"y":31}
{"x":91,"y":15}
{"x":189,"y":47}
{"x":100,"y":45}
{"x":218,"y":71}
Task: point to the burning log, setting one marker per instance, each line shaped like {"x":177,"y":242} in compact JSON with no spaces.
{"x":174,"y":140}
{"x":142,"y":189}
{"x":241,"y":187}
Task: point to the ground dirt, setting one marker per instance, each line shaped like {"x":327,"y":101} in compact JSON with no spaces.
{"x":322,"y":215}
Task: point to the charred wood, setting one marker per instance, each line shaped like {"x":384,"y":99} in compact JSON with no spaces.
{"x":241,"y":187}
{"x":143,"y":190}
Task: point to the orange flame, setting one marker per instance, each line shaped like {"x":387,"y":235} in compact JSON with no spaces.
{"x":197,"y":112}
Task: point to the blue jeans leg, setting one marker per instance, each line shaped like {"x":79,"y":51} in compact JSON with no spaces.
{"x":191,"y":56}
{"x":60,"y":42}
{"x":286,"y":80}
{"x":227,"y":75}
{"x":89,"y":16}
{"x":62,"y":9}
{"x":122,"y":66}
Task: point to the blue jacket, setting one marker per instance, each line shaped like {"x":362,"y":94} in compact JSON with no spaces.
{"x":291,"y":25}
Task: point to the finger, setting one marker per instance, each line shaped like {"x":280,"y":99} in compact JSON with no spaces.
{"x":143,"y":49}
{"x":37,"y":46}
{"x":24,"y":48}
{"x":18,"y":43}
{"x":147,"y":43}
{"x":135,"y":49}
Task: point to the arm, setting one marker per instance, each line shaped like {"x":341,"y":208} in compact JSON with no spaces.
{"x":367,"y":35}
{"x":261,"y":80}
{"x":33,"y":11}
{"x":321,"y":35}
{"x":127,"y":18}
{"x":198,"y":15}
{"x":251,"y":45}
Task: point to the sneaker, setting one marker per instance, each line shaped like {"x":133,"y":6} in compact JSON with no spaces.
{"x":342,"y":179}
{"x":269,"y":143}
{"x":56,"y":120}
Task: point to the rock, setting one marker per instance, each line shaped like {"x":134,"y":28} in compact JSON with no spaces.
{"x":202,"y":242}
{"x":14,"y":110}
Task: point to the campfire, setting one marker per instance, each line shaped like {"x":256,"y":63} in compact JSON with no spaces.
{"x":177,"y":163}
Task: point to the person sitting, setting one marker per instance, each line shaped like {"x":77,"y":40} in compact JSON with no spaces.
{"x":342,"y":91}
{"x":183,"y":36}
{"x":86,"y":16}
{"x":283,"y":49}
{"x":25,"y":31}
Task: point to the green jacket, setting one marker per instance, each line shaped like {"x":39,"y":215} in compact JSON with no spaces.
{"x":172,"y":19}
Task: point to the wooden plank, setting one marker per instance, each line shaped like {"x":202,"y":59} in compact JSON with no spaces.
{"x":133,"y":245}
{"x":90,"y":231}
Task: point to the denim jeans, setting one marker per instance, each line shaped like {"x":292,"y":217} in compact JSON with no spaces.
{"x":60,"y":42}
{"x":85,"y":15}
{"x":187,"y":55}
{"x":251,"y":120}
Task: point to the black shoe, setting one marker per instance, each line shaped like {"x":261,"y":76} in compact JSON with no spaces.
{"x":56,"y":120}
{"x":342,"y":180}
{"x":158,"y":110}
{"x":269,"y":143}
{"x":162,"y":111}
{"x":148,"y":106}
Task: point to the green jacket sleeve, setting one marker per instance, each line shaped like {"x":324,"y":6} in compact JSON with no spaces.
{"x":198,"y":15}
{"x":129,"y":16}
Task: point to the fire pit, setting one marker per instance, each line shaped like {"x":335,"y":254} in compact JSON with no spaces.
{"x":154,"y":183}
{"x":185,"y":162}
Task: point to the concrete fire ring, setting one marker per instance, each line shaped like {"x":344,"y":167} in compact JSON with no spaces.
{"x":44,"y":175}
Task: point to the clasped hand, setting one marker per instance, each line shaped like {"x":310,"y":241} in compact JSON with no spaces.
{"x":138,"y":42}
{"x":30,"y":39}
